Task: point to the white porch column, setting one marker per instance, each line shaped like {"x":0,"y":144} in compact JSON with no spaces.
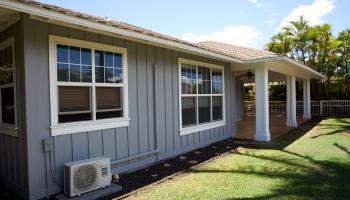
{"x":262,"y":129}
{"x":306,"y":99}
{"x":291,"y":102}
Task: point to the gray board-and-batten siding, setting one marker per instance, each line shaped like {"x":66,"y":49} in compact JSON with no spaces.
{"x":153,"y":88}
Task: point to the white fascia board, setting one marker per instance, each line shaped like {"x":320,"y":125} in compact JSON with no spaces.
{"x":253,"y":61}
{"x":311,"y":71}
{"x":94,"y":25}
{"x":304,"y":67}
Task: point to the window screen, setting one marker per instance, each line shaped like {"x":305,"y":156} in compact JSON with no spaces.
{"x":7,"y":87}
{"x":74,"y":104}
{"x":81,"y":98}
{"x":109,"y":102}
{"x":201,"y":94}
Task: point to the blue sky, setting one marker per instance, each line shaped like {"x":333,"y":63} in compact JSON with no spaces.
{"x":242,"y":22}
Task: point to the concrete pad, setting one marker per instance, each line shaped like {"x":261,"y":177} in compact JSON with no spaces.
{"x":96,"y":194}
{"x":246,"y":127}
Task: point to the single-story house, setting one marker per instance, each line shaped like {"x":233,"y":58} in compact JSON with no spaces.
{"x":93,"y":86}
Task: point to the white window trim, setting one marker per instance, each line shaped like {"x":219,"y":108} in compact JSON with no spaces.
{"x":205,"y":126}
{"x":5,"y":128}
{"x":91,"y":125}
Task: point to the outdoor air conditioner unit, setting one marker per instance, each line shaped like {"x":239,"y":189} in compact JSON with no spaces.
{"x":86,"y":175}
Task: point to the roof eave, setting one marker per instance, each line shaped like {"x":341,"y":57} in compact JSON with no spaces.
{"x":41,"y":12}
{"x":315,"y":74}
{"x":103,"y":27}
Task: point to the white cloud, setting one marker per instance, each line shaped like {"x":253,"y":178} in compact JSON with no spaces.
{"x":271,"y":22}
{"x":313,"y":12}
{"x":237,"y":35}
{"x":256,"y":3}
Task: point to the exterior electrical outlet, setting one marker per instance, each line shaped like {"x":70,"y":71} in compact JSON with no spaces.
{"x":48,"y":145}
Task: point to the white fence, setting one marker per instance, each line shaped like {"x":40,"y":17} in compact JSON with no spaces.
{"x":332,"y":108}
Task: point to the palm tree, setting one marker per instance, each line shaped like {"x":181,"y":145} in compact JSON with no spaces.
{"x":281,"y":44}
{"x":316,"y":47}
{"x":298,"y":31}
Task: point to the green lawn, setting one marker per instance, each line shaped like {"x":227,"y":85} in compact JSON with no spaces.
{"x":312,"y":162}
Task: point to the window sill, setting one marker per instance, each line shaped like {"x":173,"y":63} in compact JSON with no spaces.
{"x":9,"y":130}
{"x":77,"y":127}
{"x":202,"y":127}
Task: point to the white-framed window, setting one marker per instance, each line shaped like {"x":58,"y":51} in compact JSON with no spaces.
{"x":202,"y":97}
{"x":8,"y":92}
{"x":88,"y":86}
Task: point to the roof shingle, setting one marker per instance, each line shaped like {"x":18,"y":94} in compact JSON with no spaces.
{"x":242,"y":53}
{"x":236,"y":52}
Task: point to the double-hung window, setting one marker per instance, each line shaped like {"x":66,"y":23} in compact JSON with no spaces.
{"x":8,"y":118}
{"x":201,"y":96}
{"x":88,"y":84}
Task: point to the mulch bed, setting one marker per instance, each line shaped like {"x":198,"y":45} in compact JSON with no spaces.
{"x":163,"y":170}
{"x":7,"y":194}
{"x":167,"y":169}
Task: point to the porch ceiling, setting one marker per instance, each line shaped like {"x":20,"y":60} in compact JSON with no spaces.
{"x":273,"y":76}
{"x":282,"y":67}
{"x":287,"y":68}
{"x":7,"y":16}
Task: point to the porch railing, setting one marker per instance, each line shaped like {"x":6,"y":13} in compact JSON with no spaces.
{"x":331,"y":108}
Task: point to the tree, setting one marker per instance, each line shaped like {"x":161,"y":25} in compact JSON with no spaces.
{"x":281,"y":44}
{"x":344,"y":38}
{"x":297,"y":31}
{"x":316,"y":47}
{"x":343,"y":69}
